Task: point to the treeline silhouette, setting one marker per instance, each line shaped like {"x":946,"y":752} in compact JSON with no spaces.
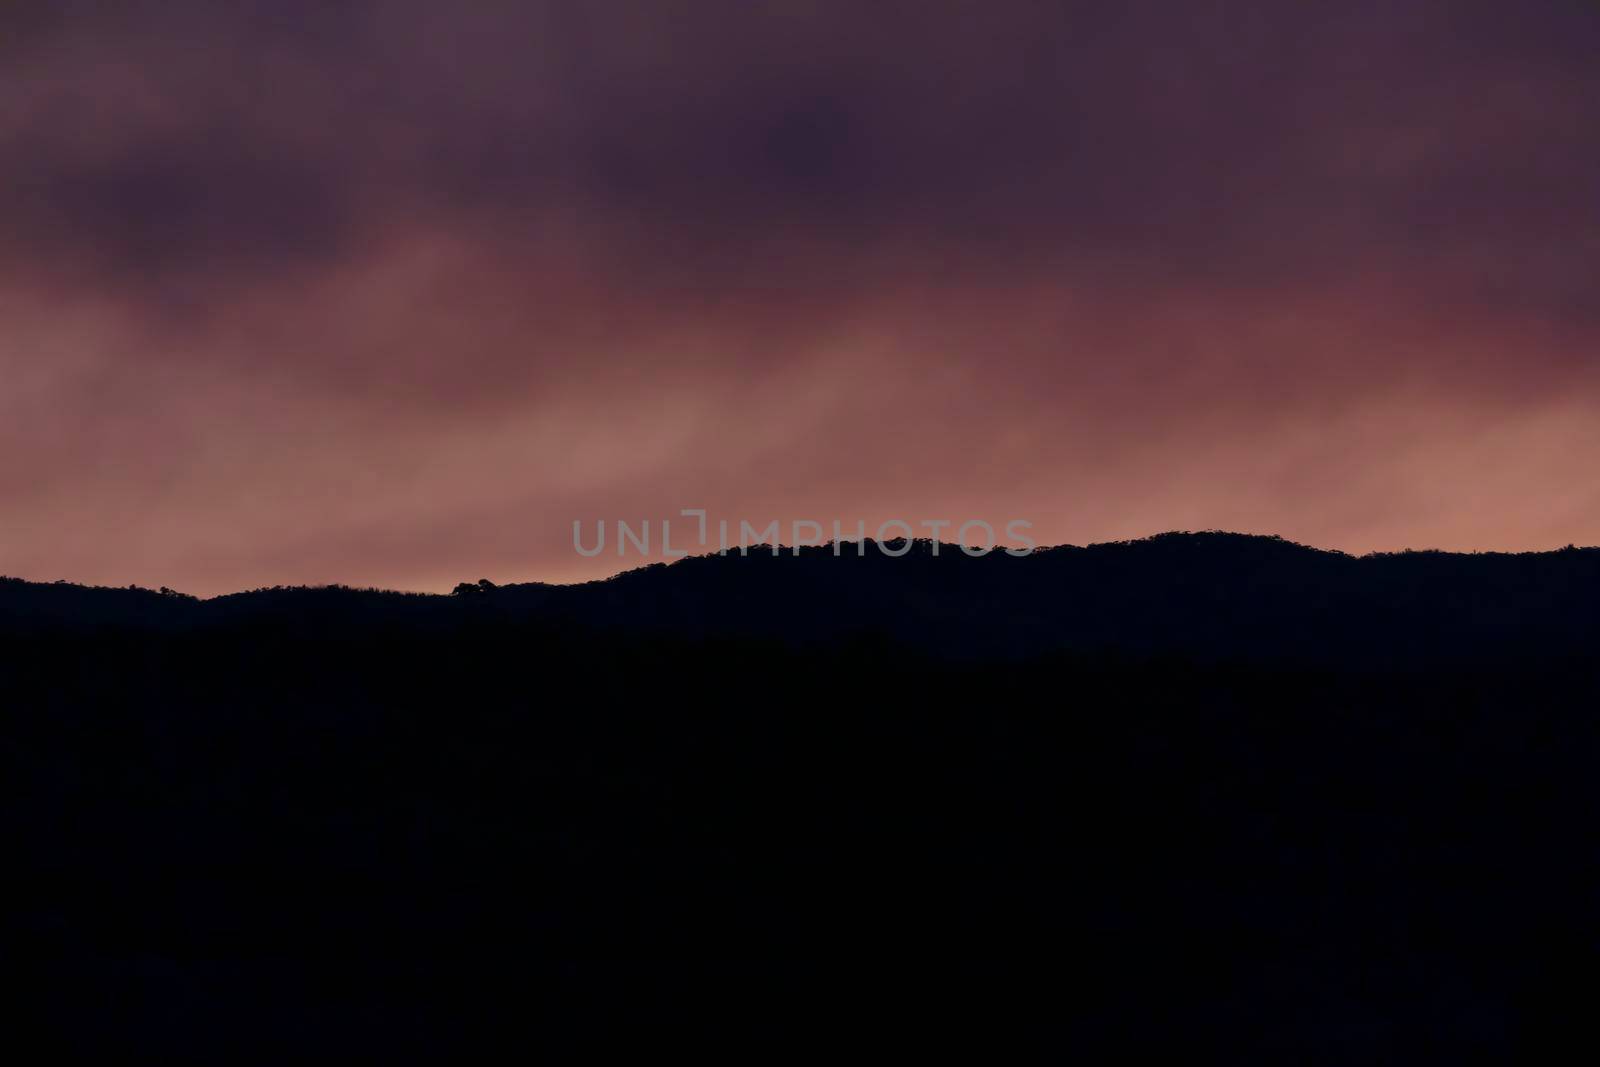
{"x":1211,"y":595}
{"x":1198,"y":794}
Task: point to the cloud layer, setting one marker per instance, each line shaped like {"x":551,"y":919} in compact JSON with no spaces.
{"x":392,"y":293}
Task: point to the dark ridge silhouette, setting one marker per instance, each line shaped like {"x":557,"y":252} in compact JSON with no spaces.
{"x":1221,"y":596}
{"x":1202,"y":795}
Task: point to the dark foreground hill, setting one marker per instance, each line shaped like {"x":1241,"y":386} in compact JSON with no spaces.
{"x":1200,"y":795}
{"x":1224,"y":597}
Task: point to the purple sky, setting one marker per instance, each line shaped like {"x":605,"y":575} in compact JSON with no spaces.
{"x":391,"y":293}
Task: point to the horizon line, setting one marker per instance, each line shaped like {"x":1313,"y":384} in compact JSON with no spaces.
{"x":778,"y":550}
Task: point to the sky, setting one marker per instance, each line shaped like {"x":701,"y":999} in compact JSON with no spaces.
{"x":393,"y":293}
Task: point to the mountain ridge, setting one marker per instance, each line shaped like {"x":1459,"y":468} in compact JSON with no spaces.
{"x":919,"y":546}
{"x":1207,"y":595}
